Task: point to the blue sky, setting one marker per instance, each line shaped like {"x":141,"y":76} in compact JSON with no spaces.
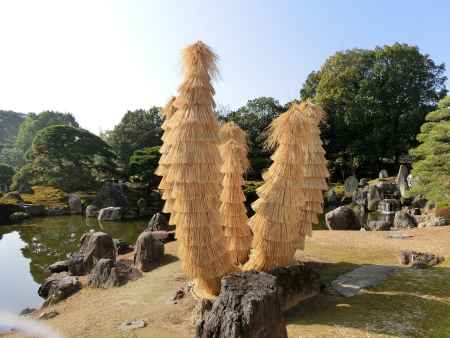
{"x":98,"y":59}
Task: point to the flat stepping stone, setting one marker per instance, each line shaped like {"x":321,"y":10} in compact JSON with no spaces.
{"x":351,"y":283}
{"x":399,"y":236}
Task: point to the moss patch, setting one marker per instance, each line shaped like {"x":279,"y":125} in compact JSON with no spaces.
{"x":48,"y":196}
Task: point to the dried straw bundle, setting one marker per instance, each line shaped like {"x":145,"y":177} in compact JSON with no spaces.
{"x":193,"y":162}
{"x":278,"y":210}
{"x":232,"y":210}
{"x":315,"y":170}
{"x":167,"y":112}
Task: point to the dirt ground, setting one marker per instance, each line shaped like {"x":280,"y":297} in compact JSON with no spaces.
{"x":411,"y":303}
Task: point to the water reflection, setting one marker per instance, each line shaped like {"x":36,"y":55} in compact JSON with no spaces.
{"x":26,"y":250}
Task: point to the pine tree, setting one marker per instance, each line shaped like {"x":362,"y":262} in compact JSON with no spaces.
{"x":232,"y":210}
{"x":194,"y":163}
{"x":431,"y":170}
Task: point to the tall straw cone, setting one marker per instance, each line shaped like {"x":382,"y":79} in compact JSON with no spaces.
{"x":278,"y":211}
{"x":194,"y":161}
{"x":167,"y":112}
{"x":315,"y":170}
{"x":232,"y":209}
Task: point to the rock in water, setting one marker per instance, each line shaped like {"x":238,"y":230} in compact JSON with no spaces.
{"x":158,"y":223}
{"x":75,"y":204}
{"x":95,"y":246}
{"x":248,"y":306}
{"x":18,"y":216}
{"x":403,"y":220}
{"x":351,"y":184}
{"x":91,"y":211}
{"x":342,"y":218}
{"x":373,"y":198}
{"x":35,"y":210}
{"x":149,"y":251}
{"x":110,"y":214}
{"x":383,"y":174}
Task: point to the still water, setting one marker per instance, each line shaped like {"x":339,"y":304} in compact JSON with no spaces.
{"x":26,"y":250}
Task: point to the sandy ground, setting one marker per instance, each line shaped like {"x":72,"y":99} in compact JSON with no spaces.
{"x":98,"y":313}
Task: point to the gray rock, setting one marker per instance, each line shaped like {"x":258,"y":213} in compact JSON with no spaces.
{"x":75,"y":205}
{"x":91,"y":211}
{"x":373,"y":198}
{"x":111,"y":195}
{"x":342,"y":218}
{"x":378,"y":225}
{"x":388,"y":206}
{"x":331,"y":197}
{"x":164,"y":236}
{"x":18,"y":216}
{"x":76,"y":265}
{"x":27,"y":311}
{"x":402,"y":180}
{"x":108,"y":274}
{"x":57,"y":287}
{"x":399,"y":236}
{"x":383,"y":174}
{"x":363,"y":182}
{"x":158,"y":223}
{"x":410,"y":180}
{"x":110,"y":214}
{"x":149,"y":251}
{"x":95,"y":246}
{"x":419,"y":260}
{"x":58,"y":211}
{"x":403,"y":220}
{"x":59,"y":266}
{"x":122,"y":247}
{"x":35,"y":210}
{"x":351,"y":283}
{"x":360,"y":197}
{"x":248,"y":306}
{"x":48,"y":314}
{"x":351,"y":184}
{"x":130,"y":325}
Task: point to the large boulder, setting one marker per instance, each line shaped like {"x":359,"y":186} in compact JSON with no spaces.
{"x":35,"y":210}
{"x":149,"y":251}
{"x":359,"y":197}
{"x":94,"y":246}
{"x":248,"y":306}
{"x":374,"y":197}
{"x":91,"y":211}
{"x":111,"y":195}
{"x":18,"y":216}
{"x":419,"y":260}
{"x":158,"y":222}
{"x":75,"y":205}
{"x":383,"y":174}
{"x":108,"y":274}
{"x":110,"y":214}
{"x":59,"y":266}
{"x":342,"y":218}
{"x":402,"y":180}
{"x":57,"y":287}
{"x":403,"y":220}
{"x":351,"y":184}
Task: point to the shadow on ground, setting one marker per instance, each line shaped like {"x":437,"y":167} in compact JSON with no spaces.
{"x":410,"y":303}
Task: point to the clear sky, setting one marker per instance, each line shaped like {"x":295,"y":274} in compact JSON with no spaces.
{"x":97,"y":59}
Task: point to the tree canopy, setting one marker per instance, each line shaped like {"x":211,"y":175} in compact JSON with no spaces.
{"x":143,"y":163}
{"x":70,"y":158}
{"x":138,"y":129}
{"x":431,"y":171}
{"x":6,"y":175}
{"x":376,"y":101}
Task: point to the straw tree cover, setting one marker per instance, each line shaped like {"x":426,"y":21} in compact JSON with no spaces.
{"x":167,"y":112}
{"x":233,"y":212}
{"x":194,"y":162}
{"x":289,"y":198}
